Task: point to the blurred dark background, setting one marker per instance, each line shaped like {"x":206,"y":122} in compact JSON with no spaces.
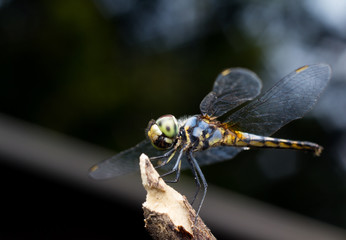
{"x":100,"y":70}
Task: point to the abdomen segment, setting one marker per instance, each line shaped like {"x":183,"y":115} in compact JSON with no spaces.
{"x":241,"y":139}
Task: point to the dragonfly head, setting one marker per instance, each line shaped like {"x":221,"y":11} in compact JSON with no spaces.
{"x":163,"y":132}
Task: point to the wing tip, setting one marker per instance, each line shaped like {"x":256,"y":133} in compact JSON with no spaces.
{"x":93,"y":172}
{"x":226,"y":72}
{"x":94,"y":168}
{"x":302,"y":68}
{"x":96,"y":174}
{"x":325,"y":66}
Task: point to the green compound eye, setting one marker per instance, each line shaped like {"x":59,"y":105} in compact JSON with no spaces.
{"x":168,"y":125}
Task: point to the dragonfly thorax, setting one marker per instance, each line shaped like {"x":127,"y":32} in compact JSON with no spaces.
{"x":201,"y":133}
{"x":163,"y":132}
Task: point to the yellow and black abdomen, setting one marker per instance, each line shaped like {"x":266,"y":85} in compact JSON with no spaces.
{"x":242,"y":139}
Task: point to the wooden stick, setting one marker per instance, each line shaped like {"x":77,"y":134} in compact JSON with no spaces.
{"x":168,"y":214}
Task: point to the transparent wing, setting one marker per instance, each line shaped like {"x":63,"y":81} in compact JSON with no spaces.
{"x":128,"y":161}
{"x":124,"y":162}
{"x":232,"y":87}
{"x":289,"y":99}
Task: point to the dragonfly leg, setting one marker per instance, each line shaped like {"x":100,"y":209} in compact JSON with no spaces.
{"x":167,"y":160}
{"x":204,"y":182}
{"x":166,"y":154}
{"x":176,"y":169}
{"x":198,"y":184}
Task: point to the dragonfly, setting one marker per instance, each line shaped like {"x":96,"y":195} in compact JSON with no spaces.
{"x":248,"y":120}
